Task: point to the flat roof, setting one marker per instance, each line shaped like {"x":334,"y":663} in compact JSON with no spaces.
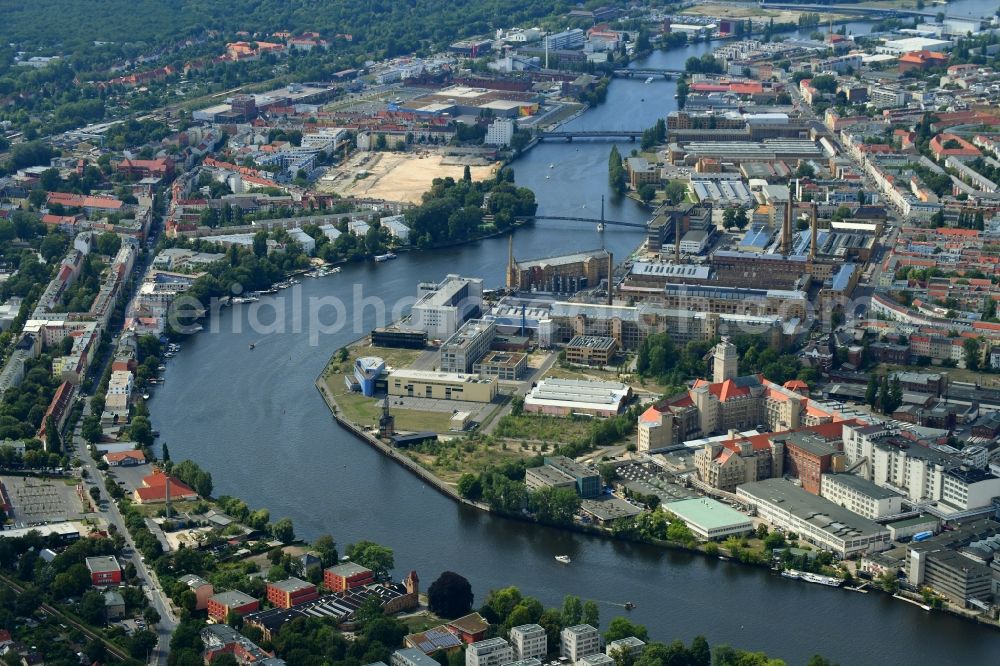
{"x":820,"y":512}
{"x":436,"y":376}
{"x":592,"y":341}
{"x":103,"y":564}
{"x":861,"y":485}
{"x":291,"y":585}
{"x":707,"y":513}
{"x":550,"y":475}
{"x":233,"y":598}
{"x":609,"y":508}
{"x":575,"y":392}
{"x":347,"y":569}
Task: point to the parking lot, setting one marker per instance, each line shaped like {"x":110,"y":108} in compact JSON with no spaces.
{"x":479,"y":410}
{"x":37,"y":500}
{"x":131,"y":475}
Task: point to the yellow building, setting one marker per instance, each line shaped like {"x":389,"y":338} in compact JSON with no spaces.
{"x":442,"y":385}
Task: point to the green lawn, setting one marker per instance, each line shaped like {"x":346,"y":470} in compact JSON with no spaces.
{"x":543,"y":428}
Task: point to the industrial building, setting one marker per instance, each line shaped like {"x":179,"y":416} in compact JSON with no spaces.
{"x":562,"y":274}
{"x":562,"y":397}
{"x":591,"y":350}
{"x":508,"y":366}
{"x":955,"y":563}
{"x":463,"y":349}
{"x":441,"y":385}
{"x":442,"y":307}
{"x":587,"y":479}
{"x":816,"y":520}
{"x":861,"y":496}
{"x":709,"y":518}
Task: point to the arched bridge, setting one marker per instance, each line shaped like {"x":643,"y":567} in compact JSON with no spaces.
{"x":593,"y":220}
{"x":608,"y":135}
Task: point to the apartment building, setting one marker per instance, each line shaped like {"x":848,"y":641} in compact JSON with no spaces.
{"x":579,"y":641}
{"x":529,"y":641}
{"x":490,"y":652}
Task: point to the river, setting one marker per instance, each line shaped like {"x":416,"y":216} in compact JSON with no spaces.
{"x":255,"y":421}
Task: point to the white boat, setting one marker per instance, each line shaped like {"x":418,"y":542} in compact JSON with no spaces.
{"x":384,"y":257}
{"x":649,"y":80}
{"x":552,"y":166}
{"x":600,"y":226}
{"x":563,"y":559}
{"x":810,"y":577}
{"x":145,"y":396}
{"x":791,"y":573}
{"x":335,"y":269}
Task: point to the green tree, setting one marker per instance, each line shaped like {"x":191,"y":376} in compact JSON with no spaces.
{"x":141,"y":431}
{"x":621,"y":627}
{"x":572,"y":611}
{"x":647,"y":192}
{"x":370,"y":554}
{"x":284,"y":531}
{"x":450,"y":596}
{"x":616,"y":171}
{"x":871,"y":393}
{"x":971,"y":351}
{"x":109,"y":243}
{"x":591,"y":613}
{"x":470,"y":487}
{"x":53,"y":442}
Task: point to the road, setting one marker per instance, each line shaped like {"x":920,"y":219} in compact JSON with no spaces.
{"x":151,"y":585}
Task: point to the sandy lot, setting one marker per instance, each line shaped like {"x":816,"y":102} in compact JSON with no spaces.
{"x":395,"y":176}
{"x":724,"y":11}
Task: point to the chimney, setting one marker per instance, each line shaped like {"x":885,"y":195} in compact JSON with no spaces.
{"x":511,"y":272}
{"x":812,"y":224}
{"x":786,"y":231}
{"x":677,"y":240}
{"x":611,"y":275}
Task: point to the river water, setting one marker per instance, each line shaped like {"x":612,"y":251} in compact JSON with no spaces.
{"x":255,"y":421}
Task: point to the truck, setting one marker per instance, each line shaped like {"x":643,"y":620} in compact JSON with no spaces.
{"x":923,"y":536}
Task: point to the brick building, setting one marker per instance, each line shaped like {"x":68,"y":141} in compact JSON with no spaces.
{"x":347,"y":575}
{"x":291,"y":592}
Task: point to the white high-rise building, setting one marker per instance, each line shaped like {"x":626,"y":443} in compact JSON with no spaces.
{"x":579,"y":641}
{"x":491,"y":652}
{"x":500,"y":132}
{"x":529,"y":640}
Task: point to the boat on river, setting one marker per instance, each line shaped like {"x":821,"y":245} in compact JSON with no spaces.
{"x":791,"y":573}
{"x":810,"y":577}
{"x":379,"y":258}
{"x":564,"y":559}
{"x":629,"y":605}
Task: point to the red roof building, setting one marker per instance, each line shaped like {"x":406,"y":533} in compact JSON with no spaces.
{"x":155,"y":487}
{"x":291,"y":592}
{"x":158,"y":168}
{"x":963,"y":149}
{"x":125,"y":459}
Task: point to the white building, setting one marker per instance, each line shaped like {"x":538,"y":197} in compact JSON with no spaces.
{"x":330,"y":231}
{"x":567,"y":39}
{"x":529,"y":641}
{"x":467,"y":345}
{"x":596,"y":659}
{"x":307,"y":242}
{"x":396,"y":227}
{"x":491,"y":652}
{"x":578,"y":641}
{"x":910,"y":44}
{"x":860,"y":495}
{"x":920,"y":473}
{"x":500,"y":132}
{"x":119,"y":392}
{"x":411,"y":657}
{"x":358,"y":227}
{"x":442,"y":307}
{"x":629,"y":645}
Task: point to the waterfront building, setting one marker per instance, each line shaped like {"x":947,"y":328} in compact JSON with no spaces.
{"x":861,"y":496}
{"x":578,"y":641}
{"x":442,"y":307}
{"x":630,"y":645}
{"x":591,"y":350}
{"x":816,"y":520}
{"x":560,"y":274}
{"x":956,"y":563}
{"x":366,"y":370}
{"x":500,"y":132}
{"x":467,"y":345}
{"x":547,"y":476}
{"x":470,"y":628}
{"x":233,"y":601}
{"x":291,"y":592}
{"x":442,"y":385}
{"x":435,"y":639}
{"x":502,"y":365}
{"x":392,"y":336}
{"x":490,"y":652}
{"x":529,"y":641}
{"x":588,"y":480}
{"x":159,"y":487}
{"x":347,"y":575}
{"x":709,"y":519}
{"x":563,"y":397}
{"x":119,"y":393}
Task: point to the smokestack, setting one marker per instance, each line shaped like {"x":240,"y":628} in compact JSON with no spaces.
{"x":786,"y":231}
{"x":677,"y":240}
{"x":611,"y":275}
{"x":812,"y":222}
{"x":510,"y":263}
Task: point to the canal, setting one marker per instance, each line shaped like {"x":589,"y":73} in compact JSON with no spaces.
{"x":255,"y":421}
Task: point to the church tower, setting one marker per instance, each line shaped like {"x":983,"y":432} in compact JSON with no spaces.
{"x":512,"y":281}
{"x":725,"y":361}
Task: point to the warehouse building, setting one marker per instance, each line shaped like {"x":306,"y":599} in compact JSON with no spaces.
{"x":709,"y":518}
{"x":442,"y":385}
{"x":562,"y":397}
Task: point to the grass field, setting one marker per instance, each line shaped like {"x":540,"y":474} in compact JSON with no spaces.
{"x":543,"y":428}
{"x":449,"y":459}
